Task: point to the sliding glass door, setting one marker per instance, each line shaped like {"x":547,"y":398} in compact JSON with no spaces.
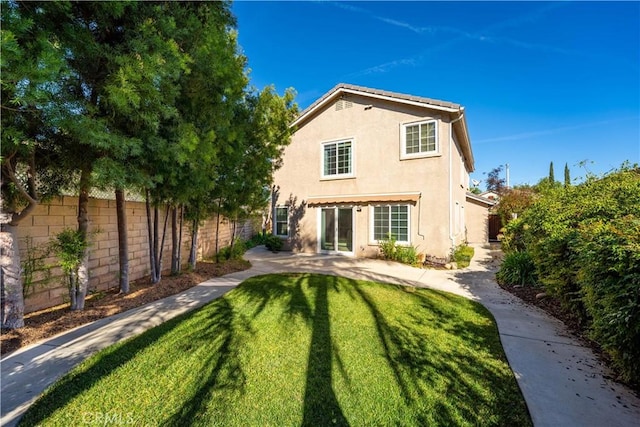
{"x":336,"y":230}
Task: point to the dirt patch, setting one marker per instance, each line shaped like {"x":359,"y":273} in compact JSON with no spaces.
{"x":52,"y":321}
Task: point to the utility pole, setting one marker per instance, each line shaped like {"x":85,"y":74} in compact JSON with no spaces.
{"x":507,"y":171}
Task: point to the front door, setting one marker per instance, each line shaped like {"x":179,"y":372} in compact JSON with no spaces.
{"x":336,"y":230}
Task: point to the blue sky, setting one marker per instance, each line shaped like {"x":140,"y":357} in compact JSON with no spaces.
{"x":540,"y":81}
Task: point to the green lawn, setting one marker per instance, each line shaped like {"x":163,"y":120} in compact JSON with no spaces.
{"x":301,"y":349}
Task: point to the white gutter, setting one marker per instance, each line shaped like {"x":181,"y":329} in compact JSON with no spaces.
{"x":451,"y":236}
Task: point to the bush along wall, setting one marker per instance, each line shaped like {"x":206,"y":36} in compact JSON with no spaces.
{"x":584,"y":242}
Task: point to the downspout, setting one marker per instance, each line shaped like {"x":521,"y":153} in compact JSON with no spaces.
{"x":420,"y":215}
{"x":451,"y":236}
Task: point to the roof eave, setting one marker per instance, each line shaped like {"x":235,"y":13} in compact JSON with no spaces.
{"x":342,"y":89}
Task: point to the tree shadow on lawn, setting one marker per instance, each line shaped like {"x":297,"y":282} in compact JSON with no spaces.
{"x":224,"y":327}
{"x":321,"y":406}
{"x":419,"y":366}
{"x":227,"y":331}
{"x":72,"y":385}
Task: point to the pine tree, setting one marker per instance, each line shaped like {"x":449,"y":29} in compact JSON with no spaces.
{"x":567,"y":176}
{"x":552,"y":178}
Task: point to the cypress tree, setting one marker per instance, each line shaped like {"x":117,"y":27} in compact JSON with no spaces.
{"x":567,"y":176}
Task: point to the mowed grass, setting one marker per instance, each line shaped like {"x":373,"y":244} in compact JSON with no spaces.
{"x":301,"y":349}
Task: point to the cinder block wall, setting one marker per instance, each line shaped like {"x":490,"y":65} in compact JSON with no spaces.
{"x":51,"y":218}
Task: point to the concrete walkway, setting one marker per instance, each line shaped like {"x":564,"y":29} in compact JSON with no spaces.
{"x":562,"y":382}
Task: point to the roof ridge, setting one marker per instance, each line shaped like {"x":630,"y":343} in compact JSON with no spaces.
{"x":380,"y":92}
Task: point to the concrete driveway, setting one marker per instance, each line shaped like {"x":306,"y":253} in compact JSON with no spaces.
{"x":562,"y":382}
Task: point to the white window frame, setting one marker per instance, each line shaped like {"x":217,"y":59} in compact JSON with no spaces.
{"x":372,"y":209}
{"x":276,"y":222}
{"x":352,"y":162}
{"x":419,"y":154}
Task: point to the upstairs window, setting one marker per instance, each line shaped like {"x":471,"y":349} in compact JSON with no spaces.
{"x":419,"y":139}
{"x":337,"y":159}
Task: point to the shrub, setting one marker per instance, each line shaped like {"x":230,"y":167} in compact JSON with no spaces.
{"x":610,"y":278}
{"x":273,"y":243}
{"x":585,"y":243}
{"x":255,"y":240}
{"x":462,"y":255}
{"x":233,"y":252}
{"x":512,"y":239}
{"x":69,"y":246}
{"x":407,"y":255}
{"x":517,"y":268}
{"x":388,"y":247}
{"x":391,"y":251}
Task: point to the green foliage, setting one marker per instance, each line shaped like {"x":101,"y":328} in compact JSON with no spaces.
{"x":234,"y":251}
{"x":462,"y":255}
{"x":512,"y":238}
{"x":393,"y":252}
{"x":388,"y":247}
{"x":517,"y":268}
{"x":273,"y":243}
{"x":69,"y":246}
{"x":514,"y":201}
{"x":255,"y":240}
{"x":584,"y":241}
{"x":33,"y":264}
{"x":609,"y":256}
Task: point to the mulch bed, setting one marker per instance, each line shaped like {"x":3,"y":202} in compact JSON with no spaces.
{"x":46,"y":323}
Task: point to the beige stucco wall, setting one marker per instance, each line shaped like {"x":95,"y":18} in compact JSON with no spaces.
{"x":477,"y":221}
{"x":50,"y":218}
{"x":378,"y":168}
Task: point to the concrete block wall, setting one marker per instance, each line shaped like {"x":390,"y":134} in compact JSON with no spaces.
{"x":51,"y":218}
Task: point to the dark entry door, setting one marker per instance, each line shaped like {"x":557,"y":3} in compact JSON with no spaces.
{"x":495,"y":224}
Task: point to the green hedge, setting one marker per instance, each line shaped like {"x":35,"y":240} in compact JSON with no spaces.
{"x":585,"y":244}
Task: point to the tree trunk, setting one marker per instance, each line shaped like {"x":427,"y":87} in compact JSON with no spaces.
{"x":217,"y":231}
{"x":82,"y":281}
{"x":174,"y":241}
{"x":123,"y":245}
{"x":152,"y":254}
{"x":233,"y":238}
{"x":11,"y":285}
{"x":194,"y":245}
{"x":12,"y":304}
{"x":156,"y":249}
{"x":180,"y":238}
{"x":160,"y":252}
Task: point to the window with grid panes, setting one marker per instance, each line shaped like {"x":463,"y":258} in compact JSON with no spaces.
{"x":337,"y":159}
{"x":282,"y":221}
{"x":392,"y":219}
{"x":420,"y":138}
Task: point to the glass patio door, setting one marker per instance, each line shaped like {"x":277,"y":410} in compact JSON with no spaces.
{"x":336,"y":230}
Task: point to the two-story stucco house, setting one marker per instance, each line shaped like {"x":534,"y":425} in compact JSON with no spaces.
{"x":364,"y":163}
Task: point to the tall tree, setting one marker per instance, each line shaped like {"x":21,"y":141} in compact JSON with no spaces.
{"x":495,"y":182}
{"x":567,"y":176}
{"x":182,"y":164}
{"x":31,"y":113}
{"x":552,"y":178}
{"x":124,"y":65}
